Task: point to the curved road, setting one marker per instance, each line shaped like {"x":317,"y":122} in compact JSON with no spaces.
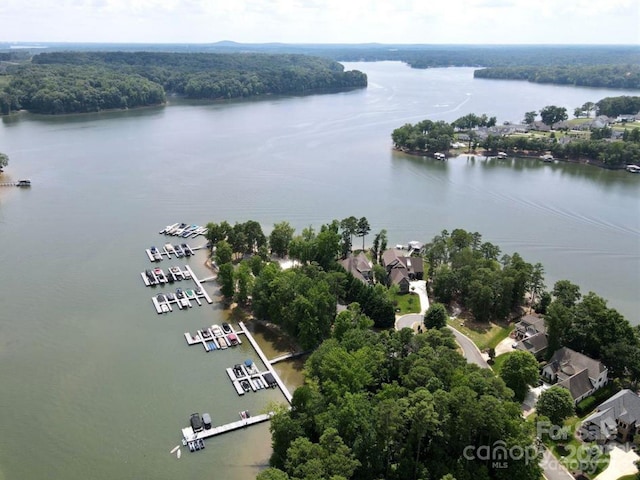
{"x":469,"y":349}
{"x":552,"y":469}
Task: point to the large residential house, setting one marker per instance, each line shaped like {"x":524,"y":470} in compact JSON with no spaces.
{"x":402,"y":269}
{"x":616,"y":419}
{"x":531,"y":335}
{"x":359,"y":266}
{"x":579,"y":374}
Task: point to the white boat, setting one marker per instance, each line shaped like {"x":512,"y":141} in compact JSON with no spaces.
{"x":633,"y":168}
{"x":217,"y":331}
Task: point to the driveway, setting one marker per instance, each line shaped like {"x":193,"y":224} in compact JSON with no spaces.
{"x":621,"y":462}
{"x":419,"y":287}
{"x":505,"y":346}
{"x":410,"y":320}
{"x":415,"y":320}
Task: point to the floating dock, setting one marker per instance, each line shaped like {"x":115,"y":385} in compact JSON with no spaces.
{"x":205,"y":336}
{"x":184,"y":230}
{"x":189,"y":295}
{"x":157,"y":254}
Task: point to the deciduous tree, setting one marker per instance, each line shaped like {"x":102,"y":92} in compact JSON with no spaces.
{"x":519,"y":371}
{"x":556,"y":404}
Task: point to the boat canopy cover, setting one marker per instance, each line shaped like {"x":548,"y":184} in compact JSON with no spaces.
{"x":248,"y":363}
{"x":269,"y":378}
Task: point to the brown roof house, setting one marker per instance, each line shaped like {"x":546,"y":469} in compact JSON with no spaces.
{"x":616,"y":419}
{"x":579,"y":374}
{"x":531,"y":333}
{"x":359,"y":266}
{"x":402,"y":269}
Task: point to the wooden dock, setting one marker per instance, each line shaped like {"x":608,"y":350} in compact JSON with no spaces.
{"x":189,"y":435}
{"x":266,"y":361}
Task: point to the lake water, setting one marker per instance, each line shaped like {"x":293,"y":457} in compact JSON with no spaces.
{"x":96,"y":385}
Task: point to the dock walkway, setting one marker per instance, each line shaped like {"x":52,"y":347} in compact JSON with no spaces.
{"x":266,"y":361}
{"x":286,"y":356}
{"x":189,"y":435}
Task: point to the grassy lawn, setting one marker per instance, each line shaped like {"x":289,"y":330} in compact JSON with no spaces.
{"x":633,"y":476}
{"x":570,"y":451}
{"x":484,"y":335}
{"x":497,"y":364}
{"x":406,"y":303}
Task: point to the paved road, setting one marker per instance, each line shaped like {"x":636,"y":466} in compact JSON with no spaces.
{"x":469,"y":349}
{"x":552,"y":469}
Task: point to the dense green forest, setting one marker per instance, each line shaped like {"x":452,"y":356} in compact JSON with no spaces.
{"x":604,"y":76}
{"x":428,"y":137}
{"x":302,"y":301}
{"x":395,"y":405}
{"x":67,"y":82}
{"x":589,"y":65}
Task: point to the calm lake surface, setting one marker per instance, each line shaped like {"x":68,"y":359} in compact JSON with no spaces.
{"x":96,"y":385}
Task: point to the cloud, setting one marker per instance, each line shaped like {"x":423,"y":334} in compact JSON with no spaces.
{"x":318,"y":21}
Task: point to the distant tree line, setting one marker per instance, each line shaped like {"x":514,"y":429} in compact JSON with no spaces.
{"x":65,"y":82}
{"x":603,"y":76}
{"x":429,"y":137}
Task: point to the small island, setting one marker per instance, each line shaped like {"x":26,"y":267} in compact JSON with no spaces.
{"x":609,"y":139}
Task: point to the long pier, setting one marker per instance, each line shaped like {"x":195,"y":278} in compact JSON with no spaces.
{"x":189,"y":435}
{"x":266,"y":362}
{"x":198,"y":284}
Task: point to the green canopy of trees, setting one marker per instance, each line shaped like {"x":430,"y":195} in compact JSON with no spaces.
{"x":466,"y":269}
{"x":604,"y":76}
{"x":556,"y":404}
{"x":586,"y":324}
{"x":81,"y":81}
{"x":397,"y":406}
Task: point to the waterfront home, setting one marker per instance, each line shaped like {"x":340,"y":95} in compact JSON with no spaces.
{"x":528,"y":326}
{"x":402,"y":269}
{"x":359,"y":266}
{"x":616,"y":419}
{"x":535,"y":344}
{"x":579,"y":374}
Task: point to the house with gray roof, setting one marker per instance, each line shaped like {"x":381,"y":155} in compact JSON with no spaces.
{"x":531,"y":333}
{"x":616,"y":419}
{"x":402,"y":269}
{"x":579,"y":374}
{"x":535,"y":344}
{"x":530,"y":325}
{"x":359,"y":266}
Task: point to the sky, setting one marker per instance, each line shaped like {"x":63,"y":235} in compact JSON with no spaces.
{"x":323,"y":21}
